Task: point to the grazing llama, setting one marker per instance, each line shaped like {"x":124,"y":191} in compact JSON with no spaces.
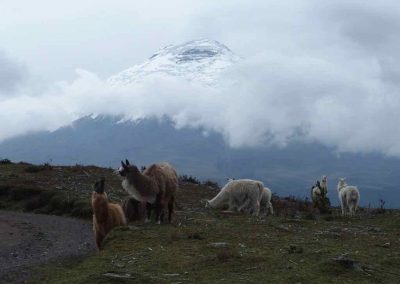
{"x":266,"y":199}
{"x":242,"y":194}
{"x":349,"y":197}
{"x":156,"y":186}
{"x":106,"y":215}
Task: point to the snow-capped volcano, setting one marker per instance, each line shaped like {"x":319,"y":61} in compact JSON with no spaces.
{"x":198,"y":60}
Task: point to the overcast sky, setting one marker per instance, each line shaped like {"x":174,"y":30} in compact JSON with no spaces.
{"x":328,"y":71}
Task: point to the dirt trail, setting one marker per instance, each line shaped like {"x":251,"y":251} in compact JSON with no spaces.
{"x":28,"y":239}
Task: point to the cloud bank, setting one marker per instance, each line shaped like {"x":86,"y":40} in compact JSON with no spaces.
{"x":12,"y":74}
{"x":320,"y":73}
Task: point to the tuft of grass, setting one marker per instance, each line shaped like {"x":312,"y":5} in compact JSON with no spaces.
{"x":38,"y":168}
{"x":81,"y":209}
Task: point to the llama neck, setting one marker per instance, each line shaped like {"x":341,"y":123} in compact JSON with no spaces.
{"x":141,"y":187}
{"x":100,"y":208}
{"x":341,"y":186}
{"x":218,"y":200}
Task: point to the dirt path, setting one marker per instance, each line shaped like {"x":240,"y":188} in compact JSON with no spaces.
{"x":28,"y":239}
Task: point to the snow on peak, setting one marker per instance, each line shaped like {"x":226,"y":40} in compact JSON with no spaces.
{"x":197,"y":60}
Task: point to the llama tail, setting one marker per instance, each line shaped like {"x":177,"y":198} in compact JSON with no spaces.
{"x":354,"y":196}
{"x":260,"y":190}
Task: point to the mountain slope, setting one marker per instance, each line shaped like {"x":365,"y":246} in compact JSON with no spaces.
{"x":291,"y":170}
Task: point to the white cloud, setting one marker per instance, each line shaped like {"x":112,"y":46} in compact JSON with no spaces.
{"x":325,"y":73}
{"x":12,"y":74}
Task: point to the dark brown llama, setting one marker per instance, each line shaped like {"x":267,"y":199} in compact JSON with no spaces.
{"x":106,"y":215}
{"x":134,"y":210}
{"x":155,"y":187}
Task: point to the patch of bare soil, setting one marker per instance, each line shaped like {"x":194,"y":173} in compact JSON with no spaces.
{"x":27,"y":240}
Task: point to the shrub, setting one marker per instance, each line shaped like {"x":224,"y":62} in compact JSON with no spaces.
{"x":81,"y":208}
{"x":40,"y":200}
{"x":38,"y":168}
{"x":5,"y":162}
{"x":60,"y":204}
{"x":189,"y":179}
{"x":21,"y":193}
{"x":290,"y":206}
{"x":211,"y":184}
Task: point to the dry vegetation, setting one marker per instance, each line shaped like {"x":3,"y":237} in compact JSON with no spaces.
{"x":298,"y":245}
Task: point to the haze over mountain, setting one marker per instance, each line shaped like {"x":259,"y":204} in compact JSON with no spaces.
{"x":186,"y":104}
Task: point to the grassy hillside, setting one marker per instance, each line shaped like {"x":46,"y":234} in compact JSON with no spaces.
{"x":213,"y":247}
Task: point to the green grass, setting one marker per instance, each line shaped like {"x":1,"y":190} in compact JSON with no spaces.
{"x":255,"y":251}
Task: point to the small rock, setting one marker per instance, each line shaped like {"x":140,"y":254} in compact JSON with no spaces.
{"x":115,"y":275}
{"x":196,"y":236}
{"x":283,"y":228}
{"x":348,"y":263}
{"x":295,"y":249}
{"x":218,"y":245}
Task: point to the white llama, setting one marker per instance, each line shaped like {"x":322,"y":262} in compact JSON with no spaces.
{"x":319,"y":190}
{"x":240,"y":195}
{"x":349,"y":197}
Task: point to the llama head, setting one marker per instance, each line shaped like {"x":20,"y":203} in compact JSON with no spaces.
{"x":99,"y":186}
{"x":127,"y":169}
{"x":324,"y":179}
{"x":342,"y":183}
{"x":206,"y":202}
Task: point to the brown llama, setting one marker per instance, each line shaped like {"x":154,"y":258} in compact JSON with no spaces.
{"x":155,"y":187}
{"x":106,"y":215}
{"x":134,"y":210}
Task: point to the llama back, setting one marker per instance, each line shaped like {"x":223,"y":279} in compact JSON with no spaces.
{"x":240,"y":189}
{"x":244,"y":186}
{"x":165,"y":175}
{"x":352,"y":194}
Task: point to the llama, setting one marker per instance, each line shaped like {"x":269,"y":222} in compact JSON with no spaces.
{"x":134,"y":210}
{"x":319,"y":190}
{"x":349,"y":197}
{"x":266,"y":199}
{"x":242,"y":194}
{"x":106,"y":215}
{"x":155,"y":186}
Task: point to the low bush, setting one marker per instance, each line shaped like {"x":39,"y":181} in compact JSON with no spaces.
{"x":38,"y":168}
{"x":5,"y":162}
{"x":189,"y":179}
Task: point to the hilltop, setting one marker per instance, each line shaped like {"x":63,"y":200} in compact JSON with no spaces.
{"x":295,"y":246}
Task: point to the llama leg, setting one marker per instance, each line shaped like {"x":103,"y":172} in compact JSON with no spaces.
{"x":171,"y":208}
{"x":99,"y":240}
{"x":256,"y":208}
{"x":159,"y":211}
{"x":244,"y":205}
{"x":162,"y":213}
{"x":343,"y":207}
{"x":271,"y":209}
{"x":148,"y":212}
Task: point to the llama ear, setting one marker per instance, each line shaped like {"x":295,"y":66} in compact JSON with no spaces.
{"x":127,"y":162}
{"x":122,"y":164}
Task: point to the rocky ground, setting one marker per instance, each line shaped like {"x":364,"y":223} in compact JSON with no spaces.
{"x":27,"y":240}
